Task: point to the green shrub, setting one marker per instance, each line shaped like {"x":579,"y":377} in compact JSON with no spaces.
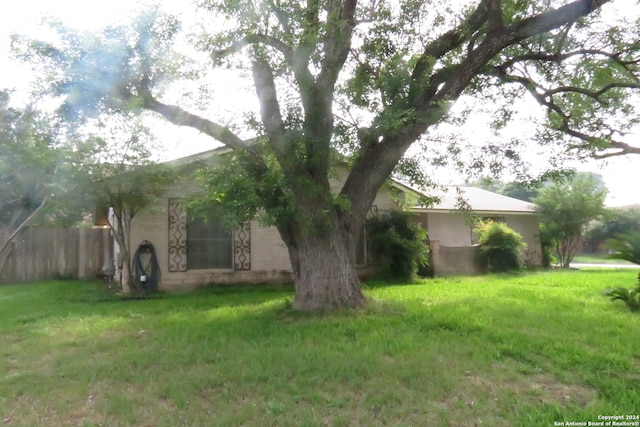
{"x":398,"y":244}
{"x":631,"y":298}
{"x":547,"y":246}
{"x":626,"y":247}
{"x":500,"y":246}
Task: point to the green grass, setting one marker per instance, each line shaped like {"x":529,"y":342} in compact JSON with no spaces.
{"x":597,"y":259}
{"x":525,"y":350}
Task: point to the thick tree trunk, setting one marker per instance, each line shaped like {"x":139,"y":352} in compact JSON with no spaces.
{"x":324,"y":270}
{"x":122,"y":233}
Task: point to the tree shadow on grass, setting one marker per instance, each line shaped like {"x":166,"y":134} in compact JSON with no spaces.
{"x":208,"y":296}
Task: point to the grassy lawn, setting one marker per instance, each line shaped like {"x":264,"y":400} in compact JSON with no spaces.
{"x":525,"y":350}
{"x":597,"y":259}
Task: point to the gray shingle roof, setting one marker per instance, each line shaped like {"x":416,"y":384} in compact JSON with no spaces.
{"x":478,"y":200}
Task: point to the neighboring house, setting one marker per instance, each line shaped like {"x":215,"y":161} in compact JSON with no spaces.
{"x":193,"y":252}
{"x":450,"y":232}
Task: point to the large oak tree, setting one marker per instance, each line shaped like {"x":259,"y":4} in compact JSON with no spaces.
{"x":366,"y":79}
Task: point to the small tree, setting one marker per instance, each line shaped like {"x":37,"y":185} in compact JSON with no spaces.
{"x":118,"y":172}
{"x":500,"y":246}
{"x":547,"y":244}
{"x":566,"y":207}
{"x":29,"y":169}
{"x":398,"y":243}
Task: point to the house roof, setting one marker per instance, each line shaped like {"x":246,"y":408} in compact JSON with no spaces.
{"x":203,"y":156}
{"x":635,"y":206}
{"x":479,"y":200}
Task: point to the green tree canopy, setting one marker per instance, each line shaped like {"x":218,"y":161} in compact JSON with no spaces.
{"x":28,"y":160}
{"x":566,"y":208}
{"x":367,"y":78}
{"x":32,"y":172}
{"x":518,"y":190}
{"x":614,"y":222}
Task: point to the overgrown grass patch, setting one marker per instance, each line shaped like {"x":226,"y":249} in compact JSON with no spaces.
{"x":499,"y":350}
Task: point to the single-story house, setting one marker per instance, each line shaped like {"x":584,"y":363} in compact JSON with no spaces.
{"x":450,"y":232}
{"x":192,"y":252}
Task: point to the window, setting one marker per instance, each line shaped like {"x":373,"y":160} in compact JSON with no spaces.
{"x":209,"y":244}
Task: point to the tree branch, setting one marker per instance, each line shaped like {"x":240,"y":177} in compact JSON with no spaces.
{"x":308,"y":40}
{"x":429,"y":104}
{"x":554,"y":18}
{"x":499,"y":40}
{"x":253,"y":39}
{"x":337,"y":42}
{"x":592,"y":143}
{"x":494,"y":8}
{"x":622,"y":149}
{"x":269,"y":106}
{"x":559,"y":57}
{"x":180,"y":117}
{"x":448,"y":41}
{"x":589,"y":93}
{"x":282,"y":16}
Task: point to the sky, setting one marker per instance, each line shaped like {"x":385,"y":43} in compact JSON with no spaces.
{"x":621,"y":174}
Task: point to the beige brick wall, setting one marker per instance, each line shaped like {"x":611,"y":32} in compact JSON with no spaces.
{"x":451,"y":230}
{"x":529,"y":227}
{"x":268,"y":251}
{"x":458,"y":260}
{"x":269,"y":256}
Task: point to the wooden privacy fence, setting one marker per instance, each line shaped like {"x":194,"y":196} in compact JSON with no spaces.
{"x":41,"y":253}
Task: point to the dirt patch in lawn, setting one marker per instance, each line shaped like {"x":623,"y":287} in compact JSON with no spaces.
{"x":538,"y":388}
{"x":480,"y":398}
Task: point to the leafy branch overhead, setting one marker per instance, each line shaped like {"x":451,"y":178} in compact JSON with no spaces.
{"x":399,"y":72}
{"x":585,"y":90}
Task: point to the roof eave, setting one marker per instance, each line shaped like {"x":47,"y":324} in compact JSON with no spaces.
{"x":419,"y":209}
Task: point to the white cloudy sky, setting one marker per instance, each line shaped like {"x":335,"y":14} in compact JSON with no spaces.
{"x":24,"y":16}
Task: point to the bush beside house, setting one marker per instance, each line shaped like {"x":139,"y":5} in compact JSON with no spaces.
{"x":500,"y":246}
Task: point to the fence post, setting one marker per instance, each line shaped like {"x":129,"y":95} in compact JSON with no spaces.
{"x":82,"y":253}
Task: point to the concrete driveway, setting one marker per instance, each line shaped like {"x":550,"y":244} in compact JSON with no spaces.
{"x":584,"y":265}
